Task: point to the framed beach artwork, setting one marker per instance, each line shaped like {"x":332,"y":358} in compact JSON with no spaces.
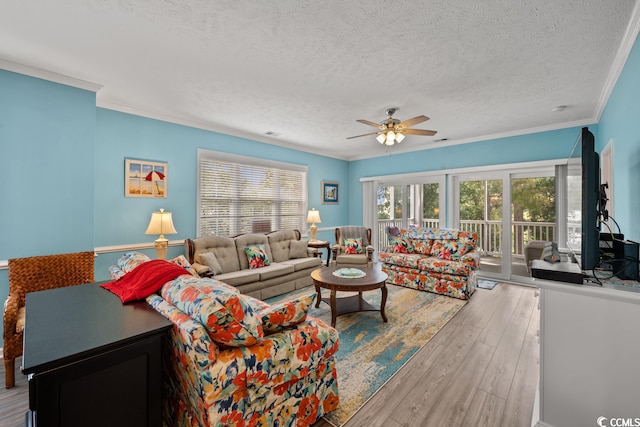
{"x":330,"y":193}
{"x":145,"y":178}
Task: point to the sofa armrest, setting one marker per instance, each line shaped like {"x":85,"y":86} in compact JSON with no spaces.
{"x":202,"y":270}
{"x":472,"y":259}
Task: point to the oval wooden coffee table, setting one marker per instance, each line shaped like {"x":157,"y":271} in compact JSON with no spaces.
{"x":323,"y":278}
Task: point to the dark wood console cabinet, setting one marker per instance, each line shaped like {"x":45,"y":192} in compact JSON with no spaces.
{"x":91,"y":360}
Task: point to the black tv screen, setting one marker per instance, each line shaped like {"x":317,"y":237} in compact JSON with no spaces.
{"x":590,"y":250}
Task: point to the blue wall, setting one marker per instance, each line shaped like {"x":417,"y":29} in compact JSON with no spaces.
{"x":620,"y":123}
{"x":47,"y":181}
{"x":123,"y":220}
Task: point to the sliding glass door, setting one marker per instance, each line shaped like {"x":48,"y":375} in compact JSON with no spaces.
{"x":507,"y":212}
{"x":479,"y":208}
{"x":404,"y":204}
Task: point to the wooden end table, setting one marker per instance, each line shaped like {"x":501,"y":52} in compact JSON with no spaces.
{"x":319,"y":244}
{"x":323,"y":278}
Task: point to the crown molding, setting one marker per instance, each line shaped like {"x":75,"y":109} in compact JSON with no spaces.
{"x":628,"y":41}
{"x":48,"y":75}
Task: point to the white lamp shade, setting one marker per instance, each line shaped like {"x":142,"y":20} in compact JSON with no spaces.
{"x":313,"y":217}
{"x":399,"y":137}
{"x":381,"y":138}
{"x":161,"y":223}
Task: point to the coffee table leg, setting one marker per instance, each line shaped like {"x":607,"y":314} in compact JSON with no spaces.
{"x":383,"y":302}
{"x":319,"y":296}
{"x":333,"y":308}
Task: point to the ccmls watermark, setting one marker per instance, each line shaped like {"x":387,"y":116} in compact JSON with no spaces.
{"x":618,"y":422}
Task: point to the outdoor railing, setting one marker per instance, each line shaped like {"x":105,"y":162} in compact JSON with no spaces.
{"x":489,"y":233}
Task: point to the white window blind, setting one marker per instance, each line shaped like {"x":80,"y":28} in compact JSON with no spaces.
{"x":239,"y":194}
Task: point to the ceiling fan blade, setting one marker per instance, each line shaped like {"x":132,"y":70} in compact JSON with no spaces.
{"x":366,"y":134}
{"x":413,"y":122}
{"x":367,"y":122}
{"x":423,"y":132}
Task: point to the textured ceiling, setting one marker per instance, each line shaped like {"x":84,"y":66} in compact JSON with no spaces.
{"x":308,"y":69}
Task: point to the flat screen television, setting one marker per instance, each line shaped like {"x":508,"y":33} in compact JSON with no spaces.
{"x":590,"y":200}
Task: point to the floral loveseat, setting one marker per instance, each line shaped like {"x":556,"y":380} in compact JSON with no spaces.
{"x":233,"y":360}
{"x":443,"y":261}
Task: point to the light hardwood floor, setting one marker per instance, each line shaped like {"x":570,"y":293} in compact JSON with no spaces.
{"x":481,"y":369}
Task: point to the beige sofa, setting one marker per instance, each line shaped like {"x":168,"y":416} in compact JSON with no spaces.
{"x":291,"y":262}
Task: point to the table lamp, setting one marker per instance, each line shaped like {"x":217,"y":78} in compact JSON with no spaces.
{"x":312,"y":217}
{"x":161,"y":223}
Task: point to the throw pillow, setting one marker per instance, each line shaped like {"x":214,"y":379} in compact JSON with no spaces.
{"x":184,"y":263}
{"x":298,"y":248}
{"x":209,"y":259}
{"x":421,"y":246}
{"x":401,"y":246}
{"x":130,"y":260}
{"x":286,"y":314}
{"x":228,"y":316}
{"x":257,"y":256}
{"x":450,"y":250}
{"x":353,"y":246}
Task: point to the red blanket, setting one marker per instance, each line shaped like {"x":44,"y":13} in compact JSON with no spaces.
{"x":144,"y":280}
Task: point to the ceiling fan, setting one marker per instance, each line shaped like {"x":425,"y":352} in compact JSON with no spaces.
{"x":393,"y":130}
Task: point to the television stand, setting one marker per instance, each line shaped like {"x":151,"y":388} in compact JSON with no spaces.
{"x":557,"y":271}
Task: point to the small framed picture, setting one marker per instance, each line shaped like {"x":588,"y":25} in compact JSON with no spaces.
{"x":145,"y":178}
{"x":330,"y":193}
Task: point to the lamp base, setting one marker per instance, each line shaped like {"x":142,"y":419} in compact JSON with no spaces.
{"x":312,"y":231}
{"x":161,"y":248}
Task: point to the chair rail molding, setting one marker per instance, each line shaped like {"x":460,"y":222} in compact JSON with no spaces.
{"x":4,"y":264}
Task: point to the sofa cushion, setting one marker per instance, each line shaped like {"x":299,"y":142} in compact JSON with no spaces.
{"x":274,"y":270}
{"x":431,"y":233}
{"x":228,"y":316}
{"x":304,"y":263}
{"x":224,"y":249}
{"x":421,"y":246}
{"x":451,"y":250}
{"x":437,"y":265}
{"x":241,"y":277}
{"x":279,"y":243}
{"x":283,"y":315}
{"x":257,"y":256}
{"x":298,"y":249}
{"x":209,"y":259}
{"x":404,"y":260}
{"x":358,"y":259}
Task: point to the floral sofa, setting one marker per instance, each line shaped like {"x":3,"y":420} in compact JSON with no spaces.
{"x":443,"y":261}
{"x":233,"y":360}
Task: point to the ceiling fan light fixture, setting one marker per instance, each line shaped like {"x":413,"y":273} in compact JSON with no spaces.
{"x":381,"y":138}
{"x":390,"y":137}
{"x":399,"y":137}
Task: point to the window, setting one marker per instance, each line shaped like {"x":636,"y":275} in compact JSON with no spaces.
{"x":238,"y":194}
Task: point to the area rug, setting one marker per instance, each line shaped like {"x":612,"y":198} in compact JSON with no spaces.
{"x":486,"y":284}
{"x":371,"y":351}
